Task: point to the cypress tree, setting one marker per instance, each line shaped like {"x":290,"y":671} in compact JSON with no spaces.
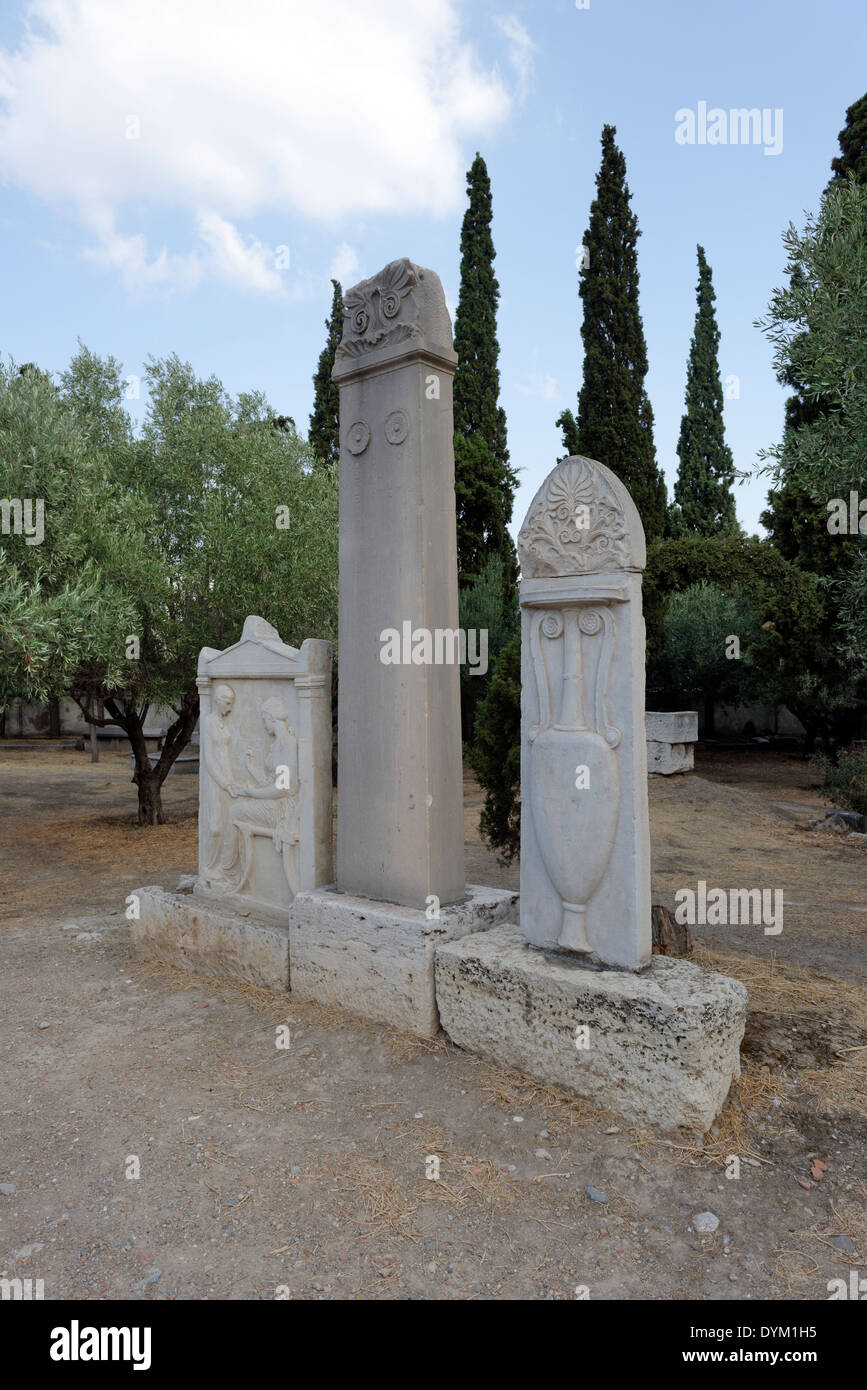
{"x":484,"y":481}
{"x":703,"y":491}
{"x":615,"y":420}
{"x":852,"y":160}
{"x":325,"y":419}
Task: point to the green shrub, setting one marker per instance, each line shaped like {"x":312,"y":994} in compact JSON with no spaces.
{"x":846,"y":780}
{"x":496,"y":753}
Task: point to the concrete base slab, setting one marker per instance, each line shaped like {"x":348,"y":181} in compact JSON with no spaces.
{"x":208,"y":938}
{"x":376,"y":959}
{"x":663,"y":1046}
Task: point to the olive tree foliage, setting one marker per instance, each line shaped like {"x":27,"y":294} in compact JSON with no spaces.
{"x":816,"y":324}
{"x":212,"y":514}
{"x":58,"y":603}
{"x":712,"y":640}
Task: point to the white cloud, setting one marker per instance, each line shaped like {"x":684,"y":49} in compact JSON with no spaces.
{"x":128,"y":255}
{"x":521,"y":50}
{"x":221,"y":253}
{"x":241,"y":110}
{"x":344,"y":265}
{"x":538,"y":384}
{"x":248,"y":263}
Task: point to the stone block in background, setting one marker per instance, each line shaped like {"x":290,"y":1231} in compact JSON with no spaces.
{"x":671,"y":739}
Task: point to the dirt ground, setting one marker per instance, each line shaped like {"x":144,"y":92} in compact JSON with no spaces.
{"x":301,"y":1172}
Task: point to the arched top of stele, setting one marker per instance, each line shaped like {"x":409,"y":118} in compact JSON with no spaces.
{"x":581,"y":521}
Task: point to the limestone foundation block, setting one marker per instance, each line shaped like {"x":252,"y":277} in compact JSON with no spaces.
{"x":376,"y":959}
{"x":207,"y":937}
{"x":663,"y":1046}
{"x":671,"y":738}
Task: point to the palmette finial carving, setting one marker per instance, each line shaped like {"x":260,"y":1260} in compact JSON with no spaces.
{"x":578,"y":523}
{"x":380,"y":310}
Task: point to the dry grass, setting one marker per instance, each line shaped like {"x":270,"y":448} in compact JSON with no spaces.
{"x":840,"y":1089}
{"x":387,"y":1202}
{"x":780,"y":987}
{"x":514,"y":1091}
{"x":405,"y":1047}
{"x":797,"y":1266}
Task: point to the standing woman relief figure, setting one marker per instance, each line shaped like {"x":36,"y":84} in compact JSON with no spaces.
{"x":218,"y":778}
{"x":267,"y":802}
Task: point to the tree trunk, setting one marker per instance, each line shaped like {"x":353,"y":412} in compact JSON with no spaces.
{"x":810,"y":729}
{"x":146,"y":778}
{"x":94,"y":745}
{"x":150,"y":802}
{"x":670,"y":937}
{"x":709,"y":718}
{"x":123,"y":711}
{"x":149,"y":780}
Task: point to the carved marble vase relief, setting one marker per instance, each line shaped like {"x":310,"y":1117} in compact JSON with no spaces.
{"x":584,"y":836}
{"x":572,"y":751}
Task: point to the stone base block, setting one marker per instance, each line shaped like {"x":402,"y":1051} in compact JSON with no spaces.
{"x":377,"y":959}
{"x":663,"y":1046}
{"x":208,"y":938}
{"x":671,"y":738}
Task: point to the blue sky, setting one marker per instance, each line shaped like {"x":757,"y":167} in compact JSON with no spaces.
{"x":154,"y":158}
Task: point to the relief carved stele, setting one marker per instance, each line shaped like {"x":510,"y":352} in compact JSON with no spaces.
{"x":263,"y":800}
{"x":581,"y":521}
{"x":264,"y":768}
{"x":581,"y":538}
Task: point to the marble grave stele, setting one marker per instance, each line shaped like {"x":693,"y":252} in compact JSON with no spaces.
{"x":264,"y":768}
{"x":265,"y":822}
{"x":397,"y":935}
{"x":575,"y":997}
{"x":585,"y":835}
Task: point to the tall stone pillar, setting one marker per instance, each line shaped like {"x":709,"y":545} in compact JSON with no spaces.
{"x":400,"y":788}
{"x":368,"y":941}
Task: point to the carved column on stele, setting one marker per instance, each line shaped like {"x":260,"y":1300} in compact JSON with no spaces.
{"x":400,"y":791}
{"x":585,"y":841}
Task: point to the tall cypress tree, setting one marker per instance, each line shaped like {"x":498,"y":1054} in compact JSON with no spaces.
{"x":852,"y":159}
{"x":703,"y":491}
{"x":615,"y":420}
{"x":325,"y":420}
{"x":484,"y":481}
